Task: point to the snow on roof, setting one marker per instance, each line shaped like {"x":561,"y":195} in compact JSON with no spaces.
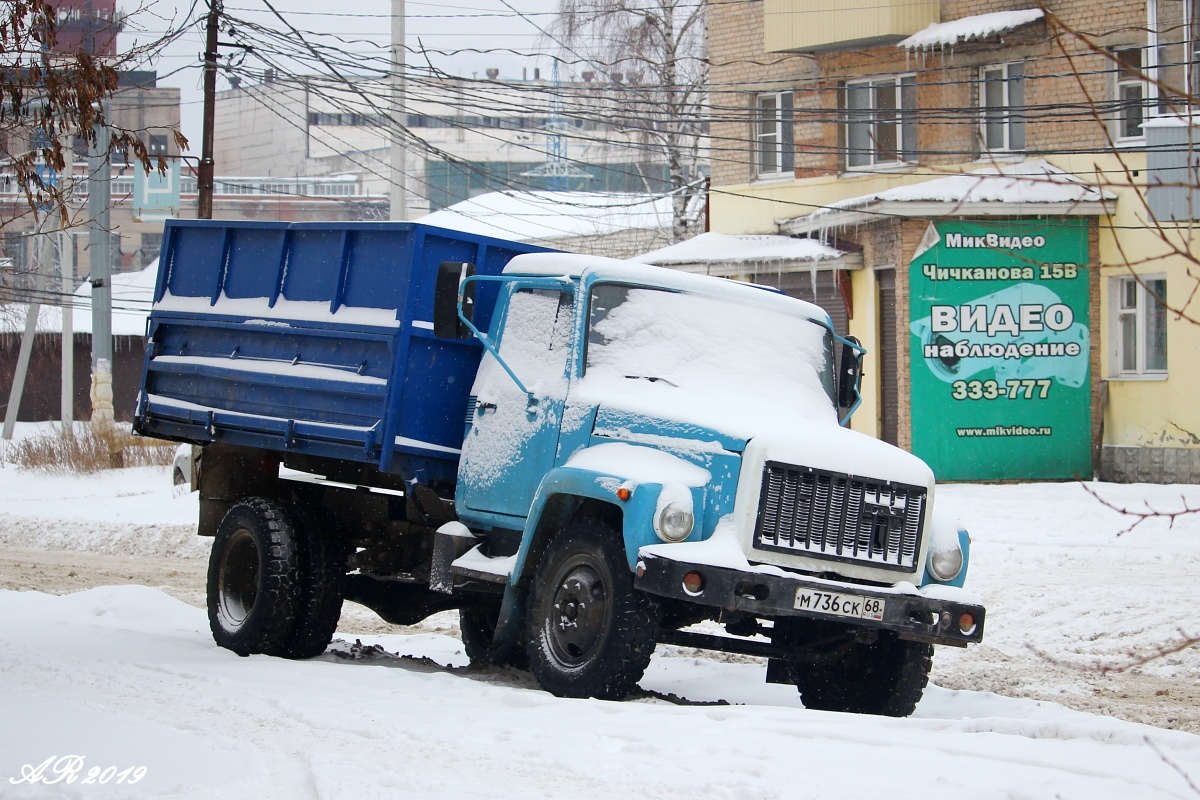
{"x":720,"y":248}
{"x":132,"y":296}
{"x":1035,"y":182}
{"x":1172,"y":121}
{"x":530,"y":216}
{"x":979,"y":26}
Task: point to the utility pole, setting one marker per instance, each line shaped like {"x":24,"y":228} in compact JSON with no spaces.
{"x":205,"y":173}
{"x":100,"y":258}
{"x":100,"y":243}
{"x":398,"y":192}
{"x":66,"y":262}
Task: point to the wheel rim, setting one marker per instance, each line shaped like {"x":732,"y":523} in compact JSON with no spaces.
{"x":238,"y":587}
{"x":578,"y":619}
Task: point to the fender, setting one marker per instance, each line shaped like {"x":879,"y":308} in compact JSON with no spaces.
{"x":584,"y":485}
{"x":548,"y":514}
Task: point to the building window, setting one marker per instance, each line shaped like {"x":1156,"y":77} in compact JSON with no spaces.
{"x":1170,"y":62}
{"x":774,"y":146}
{"x":881,"y":121}
{"x":1130,"y":94}
{"x":1002,"y":97}
{"x":1141,"y":326}
{"x":156,"y":144}
{"x":151,"y":245}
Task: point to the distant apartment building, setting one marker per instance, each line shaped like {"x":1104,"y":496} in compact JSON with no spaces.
{"x":463,"y":137}
{"x":151,"y":113}
{"x":1018,"y":181}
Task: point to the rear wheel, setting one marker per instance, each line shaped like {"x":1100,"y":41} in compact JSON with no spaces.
{"x":885,"y":677}
{"x":589,"y":632}
{"x":253,"y":578}
{"x":321,"y":573}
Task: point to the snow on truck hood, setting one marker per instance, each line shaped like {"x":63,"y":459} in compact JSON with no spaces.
{"x":758,"y":429}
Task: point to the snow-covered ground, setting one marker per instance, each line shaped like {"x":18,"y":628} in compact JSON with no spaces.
{"x":128,"y":677}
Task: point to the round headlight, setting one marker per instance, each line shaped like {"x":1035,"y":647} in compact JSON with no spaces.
{"x":946,"y":564}
{"x":674,"y":522}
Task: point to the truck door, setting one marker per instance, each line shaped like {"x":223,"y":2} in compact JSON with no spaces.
{"x":513,"y":437}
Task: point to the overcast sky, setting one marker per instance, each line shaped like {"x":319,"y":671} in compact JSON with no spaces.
{"x":364,"y":24}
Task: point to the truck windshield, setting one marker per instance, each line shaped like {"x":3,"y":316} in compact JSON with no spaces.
{"x":706,"y":343}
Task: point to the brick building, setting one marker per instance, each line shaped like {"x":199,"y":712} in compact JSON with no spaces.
{"x":1018,"y":193}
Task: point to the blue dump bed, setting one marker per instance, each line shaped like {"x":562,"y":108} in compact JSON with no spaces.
{"x":314,"y":338}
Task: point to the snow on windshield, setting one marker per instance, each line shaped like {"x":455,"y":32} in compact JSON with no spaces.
{"x":535,"y":345}
{"x":710,"y":345}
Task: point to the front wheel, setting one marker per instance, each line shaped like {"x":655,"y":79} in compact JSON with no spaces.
{"x":477,"y":624}
{"x":253,"y":578}
{"x":885,"y":677}
{"x":589,"y":632}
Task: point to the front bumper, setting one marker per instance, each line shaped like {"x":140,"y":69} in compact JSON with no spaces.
{"x":913,"y":616}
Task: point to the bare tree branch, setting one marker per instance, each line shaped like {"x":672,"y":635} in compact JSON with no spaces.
{"x":1134,"y":660}
{"x":1139,"y":515}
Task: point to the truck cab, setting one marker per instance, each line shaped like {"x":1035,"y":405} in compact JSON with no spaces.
{"x":688,"y":431}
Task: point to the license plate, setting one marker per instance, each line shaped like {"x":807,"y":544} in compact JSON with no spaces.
{"x":839,"y":605}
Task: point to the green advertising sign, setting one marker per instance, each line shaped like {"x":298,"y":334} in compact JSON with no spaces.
{"x":999,"y":320}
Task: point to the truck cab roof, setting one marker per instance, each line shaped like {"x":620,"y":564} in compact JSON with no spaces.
{"x":594,"y":268}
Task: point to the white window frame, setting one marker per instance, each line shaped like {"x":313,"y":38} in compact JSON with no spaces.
{"x":891,"y":96}
{"x":773,"y":135}
{"x":1135,"y":313}
{"x":1007,"y":113}
{"x":1127,"y":79}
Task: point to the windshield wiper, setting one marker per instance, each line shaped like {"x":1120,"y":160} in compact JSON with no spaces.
{"x":652,"y":379}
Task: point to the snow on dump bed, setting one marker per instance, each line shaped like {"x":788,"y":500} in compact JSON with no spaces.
{"x":265,"y":367}
{"x":261,"y":312}
{"x":967,"y":29}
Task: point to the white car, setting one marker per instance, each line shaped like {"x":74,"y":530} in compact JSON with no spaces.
{"x":181,"y":467}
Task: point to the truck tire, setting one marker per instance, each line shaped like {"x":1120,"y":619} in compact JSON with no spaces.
{"x":253,"y":578}
{"x":588,"y":631}
{"x":321,"y":571}
{"x":886,"y":677}
{"x":477,"y":624}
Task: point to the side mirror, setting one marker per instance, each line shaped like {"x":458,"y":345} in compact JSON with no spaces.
{"x":849,"y":373}
{"x":446,"y":323}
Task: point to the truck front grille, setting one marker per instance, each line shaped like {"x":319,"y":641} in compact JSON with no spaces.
{"x":839,"y":517}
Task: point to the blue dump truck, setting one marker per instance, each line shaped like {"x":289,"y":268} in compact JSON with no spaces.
{"x":585,"y":457}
